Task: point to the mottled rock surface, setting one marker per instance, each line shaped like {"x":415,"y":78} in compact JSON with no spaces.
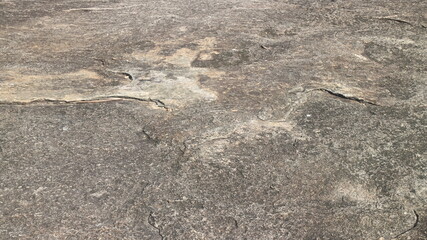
{"x":197,"y":119}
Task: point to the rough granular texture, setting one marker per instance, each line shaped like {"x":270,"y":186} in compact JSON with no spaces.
{"x":197,"y":119}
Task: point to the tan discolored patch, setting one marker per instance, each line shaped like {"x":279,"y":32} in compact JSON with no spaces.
{"x":350,"y":191}
{"x":175,"y":91}
{"x":256,"y":126}
{"x":182,"y":57}
{"x":76,"y":87}
{"x":13,"y":77}
{"x":250,"y":129}
{"x":185,"y":83}
{"x":176,"y":85}
{"x":152,"y":56}
{"x":19,"y":87}
{"x":203,"y":56}
{"x":216,"y":140}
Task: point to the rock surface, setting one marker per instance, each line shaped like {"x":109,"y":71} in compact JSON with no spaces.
{"x":185,"y":119}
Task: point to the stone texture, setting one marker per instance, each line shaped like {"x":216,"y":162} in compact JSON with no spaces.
{"x":241,"y":119}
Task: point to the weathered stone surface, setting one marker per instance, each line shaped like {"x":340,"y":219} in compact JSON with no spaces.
{"x":213,"y":119}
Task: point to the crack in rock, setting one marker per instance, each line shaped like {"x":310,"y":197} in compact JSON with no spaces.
{"x":128,"y":75}
{"x":343,"y":96}
{"x":398,"y":20}
{"x":417,"y":219}
{"x":158,"y":102}
{"x":152,"y":222}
